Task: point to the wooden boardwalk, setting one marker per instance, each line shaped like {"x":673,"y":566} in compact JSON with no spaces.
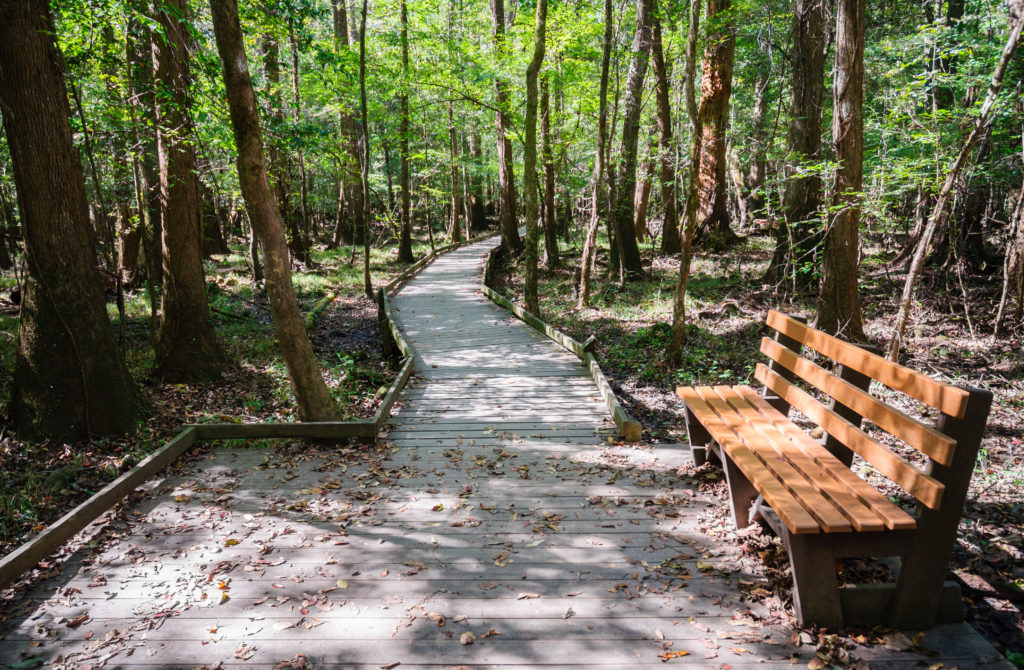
{"x":495,"y":526}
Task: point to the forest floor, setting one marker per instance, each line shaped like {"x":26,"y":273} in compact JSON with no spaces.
{"x":726,"y":305}
{"x":42,"y":481}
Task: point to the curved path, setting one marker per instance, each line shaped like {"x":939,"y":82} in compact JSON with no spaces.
{"x":495,"y":526}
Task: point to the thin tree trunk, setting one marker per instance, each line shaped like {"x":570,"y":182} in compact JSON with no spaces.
{"x":405,"y":241}
{"x":510,"y":240}
{"x":304,"y":228}
{"x":839,"y":310}
{"x":939,"y":212}
{"x":716,"y":88}
{"x":1013,"y":265}
{"x":367,"y":284}
{"x":474,"y":184}
{"x":670,"y":242}
{"x":530,"y":157}
{"x":796,"y":243}
{"x":590,"y":243}
{"x":187,"y":349}
{"x":314,"y":400}
{"x":673,"y":353}
{"x":622,"y":213}
{"x":455,"y":227}
{"x":552,"y":259}
{"x":70,"y":380}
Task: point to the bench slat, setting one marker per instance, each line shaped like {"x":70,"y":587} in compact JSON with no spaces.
{"x":893,"y":517}
{"x":947,"y":399}
{"x":923,"y":437}
{"x":826,"y":473}
{"x":763,"y":441}
{"x":792,"y":514}
{"x":926,"y":489}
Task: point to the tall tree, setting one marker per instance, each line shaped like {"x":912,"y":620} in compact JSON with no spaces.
{"x":794,"y":240}
{"x":314,"y":400}
{"x":70,"y":380}
{"x":590,"y":242}
{"x":455,"y":225}
{"x":716,"y":89}
{"x":405,"y":238}
{"x":279,"y":165}
{"x":839,"y":300}
{"x":349,"y":224}
{"x":673,"y":353}
{"x":547,"y":157}
{"x":510,"y":240}
{"x":670,"y":242}
{"x":367,"y":284}
{"x":187,"y":349}
{"x":530,"y":156}
{"x":625,"y":182}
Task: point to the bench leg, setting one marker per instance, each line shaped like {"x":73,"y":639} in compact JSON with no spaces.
{"x":741,"y":492}
{"x":699,"y":438}
{"x":815,"y":585}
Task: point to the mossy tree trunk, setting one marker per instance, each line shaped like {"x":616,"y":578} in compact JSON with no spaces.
{"x":70,"y":380}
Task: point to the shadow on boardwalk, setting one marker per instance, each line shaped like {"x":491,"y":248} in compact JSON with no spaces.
{"x":496,"y":506}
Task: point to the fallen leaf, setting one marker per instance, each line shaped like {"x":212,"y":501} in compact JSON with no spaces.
{"x":527,"y":596}
{"x":669,"y":655}
{"x":77,"y":621}
{"x":342,"y":584}
{"x":467,"y":638}
{"x":390,"y":666}
{"x":245,"y":652}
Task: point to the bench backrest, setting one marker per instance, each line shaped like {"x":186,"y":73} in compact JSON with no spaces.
{"x":849,"y":390}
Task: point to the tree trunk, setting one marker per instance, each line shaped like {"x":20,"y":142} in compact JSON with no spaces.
{"x":1013,"y":266}
{"x":510,"y":240}
{"x":716,"y":87}
{"x":367,"y":284}
{"x":839,"y":310}
{"x":758,"y":171}
{"x":455,"y":225}
{"x":474,"y":185}
{"x":938,"y":214}
{"x":552,"y":259}
{"x":348,"y":227}
{"x":530,"y":157}
{"x":673,"y":353}
{"x":642,"y":197}
{"x":70,"y":380}
{"x":622,"y":214}
{"x":304,"y":227}
{"x":405,"y":241}
{"x":590,"y":243}
{"x":279,"y":167}
{"x":314,"y":400}
{"x":187,"y":349}
{"x":670,"y":242}
{"x":796,"y":242}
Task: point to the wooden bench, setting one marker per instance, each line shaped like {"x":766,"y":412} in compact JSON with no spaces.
{"x":804,"y":488}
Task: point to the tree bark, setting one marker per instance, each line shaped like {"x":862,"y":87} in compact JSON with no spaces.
{"x":530,"y":157}
{"x":625,"y":233}
{"x":405,"y":240}
{"x":670,"y":241}
{"x":673,"y":353}
{"x":314,"y":400}
{"x":510,"y":240}
{"x":939,"y":213}
{"x":70,"y":380}
{"x":552,"y":259}
{"x":796,"y":242}
{"x":455,"y":225}
{"x":304,"y":222}
{"x":279,"y":166}
{"x":474,"y":185}
{"x":590,"y":243}
{"x":367,"y":284}
{"x":716,"y":87}
{"x":187,"y":349}
{"x":839,"y":310}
